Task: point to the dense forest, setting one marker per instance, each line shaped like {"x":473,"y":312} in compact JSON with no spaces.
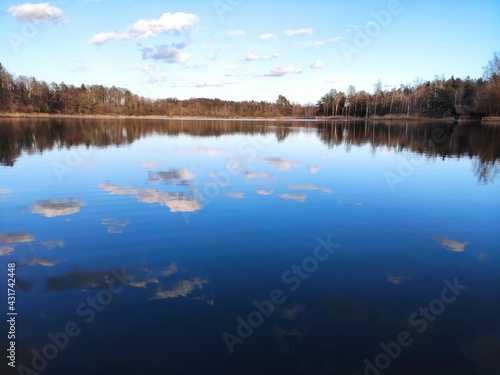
{"x":432,"y":99}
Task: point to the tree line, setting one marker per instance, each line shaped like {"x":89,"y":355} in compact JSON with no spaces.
{"x":436,"y":99}
{"x":480,"y":143}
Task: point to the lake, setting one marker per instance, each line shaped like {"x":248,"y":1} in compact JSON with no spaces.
{"x":251,"y":247}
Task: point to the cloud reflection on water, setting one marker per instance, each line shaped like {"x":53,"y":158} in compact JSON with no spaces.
{"x":183,"y":289}
{"x":281,"y":165}
{"x":57,"y":207}
{"x":177,"y":202}
{"x":451,"y":245}
{"x":295,"y":197}
{"x":6,"y":250}
{"x":18,"y":237}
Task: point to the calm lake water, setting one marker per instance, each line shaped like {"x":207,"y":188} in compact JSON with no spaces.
{"x":251,"y":247}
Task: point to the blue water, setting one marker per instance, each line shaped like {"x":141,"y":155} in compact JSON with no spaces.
{"x":154,"y":240}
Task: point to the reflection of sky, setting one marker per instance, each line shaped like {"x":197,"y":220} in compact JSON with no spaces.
{"x":57,"y":207}
{"x":243,"y":246}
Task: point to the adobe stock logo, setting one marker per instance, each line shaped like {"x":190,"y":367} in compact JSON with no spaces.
{"x":419,"y":320}
{"x":293,"y":276}
{"x":372,"y":29}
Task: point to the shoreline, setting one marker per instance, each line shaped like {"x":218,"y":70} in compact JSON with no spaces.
{"x":270,"y":119}
{"x":17,"y":115}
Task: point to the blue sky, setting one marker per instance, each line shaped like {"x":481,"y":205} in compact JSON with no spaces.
{"x":247,"y":50}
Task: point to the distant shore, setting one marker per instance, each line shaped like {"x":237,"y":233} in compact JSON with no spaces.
{"x":317,"y":118}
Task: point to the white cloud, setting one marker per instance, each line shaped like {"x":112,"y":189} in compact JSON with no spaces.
{"x":235,"y":33}
{"x":267,"y":36}
{"x":313,"y":169}
{"x":232,"y":67}
{"x":312,"y":44}
{"x":336,"y":39}
{"x":207,"y":83}
{"x":254,"y":57}
{"x":318,"y":64}
{"x":283,"y":70}
{"x":219,"y":46}
{"x":168,"y":23}
{"x":391,"y":84}
{"x":295,"y":32}
{"x":351,"y":27}
{"x":37,"y":13}
{"x":169,"y":53}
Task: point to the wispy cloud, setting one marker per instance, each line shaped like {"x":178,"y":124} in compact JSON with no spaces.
{"x":146,"y":67}
{"x":168,"y":23}
{"x":37,"y":13}
{"x":295,"y":32}
{"x":216,"y":46}
{"x":232,"y":67}
{"x":235,"y":33}
{"x":312,"y":44}
{"x":267,"y":36}
{"x":254,"y":57}
{"x":206,"y":83}
{"x":283,"y":70}
{"x":319,"y":43}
